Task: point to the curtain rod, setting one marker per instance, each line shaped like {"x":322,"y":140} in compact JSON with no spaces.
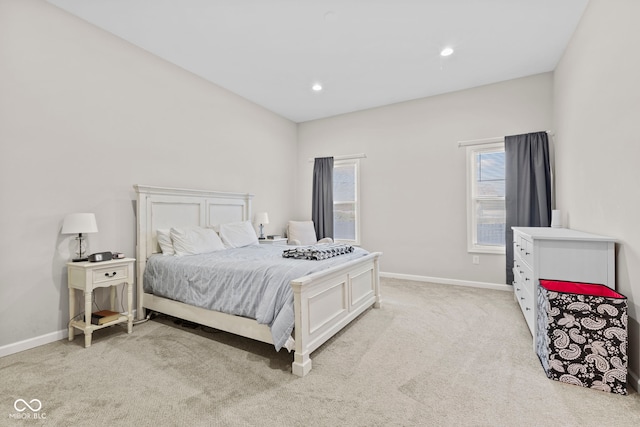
{"x":488,"y":140}
{"x":346,"y":157}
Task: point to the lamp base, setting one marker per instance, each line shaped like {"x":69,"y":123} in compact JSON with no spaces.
{"x":80,"y":255}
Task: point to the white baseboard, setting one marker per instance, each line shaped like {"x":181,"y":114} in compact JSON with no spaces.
{"x":443,"y":281}
{"x":27,"y":344}
{"x":30,"y":343}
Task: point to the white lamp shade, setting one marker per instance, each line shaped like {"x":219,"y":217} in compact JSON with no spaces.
{"x":77,"y":223}
{"x":262,"y":218}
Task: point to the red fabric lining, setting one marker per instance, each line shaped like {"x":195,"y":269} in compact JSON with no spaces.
{"x":580,"y":288}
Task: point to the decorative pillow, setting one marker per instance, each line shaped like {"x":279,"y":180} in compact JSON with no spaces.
{"x":238,"y":234}
{"x":164,"y":240}
{"x":302,"y":232}
{"x":195,"y":240}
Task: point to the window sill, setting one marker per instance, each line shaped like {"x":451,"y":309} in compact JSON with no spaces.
{"x":486,"y":250}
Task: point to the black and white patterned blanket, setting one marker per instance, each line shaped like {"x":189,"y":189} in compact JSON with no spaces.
{"x":318,"y":252}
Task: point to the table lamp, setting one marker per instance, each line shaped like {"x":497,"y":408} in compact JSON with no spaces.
{"x":262,"y":218}
{"x":78,"y":223}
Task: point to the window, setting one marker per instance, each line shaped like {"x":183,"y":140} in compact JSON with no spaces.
{"x":486,"y":206}
{"x":346,"y":204}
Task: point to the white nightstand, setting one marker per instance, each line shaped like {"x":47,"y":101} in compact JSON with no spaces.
{"x":276,"y":241}
{"x":86,"y":276}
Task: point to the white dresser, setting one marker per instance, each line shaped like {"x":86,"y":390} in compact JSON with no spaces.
{"x":557,"y":254}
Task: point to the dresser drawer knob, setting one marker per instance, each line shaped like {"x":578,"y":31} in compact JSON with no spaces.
{"x":526,"y":278}
{"x":527,"y":253}
{"x":110,"y":275}
{"x":527,"y":308}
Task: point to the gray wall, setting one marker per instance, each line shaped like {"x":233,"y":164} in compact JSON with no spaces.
{"x":83,"y":117}
{"x":597,"y":113}
{"x":413,"y":190}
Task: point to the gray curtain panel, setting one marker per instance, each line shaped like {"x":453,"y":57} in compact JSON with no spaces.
{"x":322,"y":198}
{"x":528,"y":186}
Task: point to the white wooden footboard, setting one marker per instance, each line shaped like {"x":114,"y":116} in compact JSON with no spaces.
{"x":327,"y":301}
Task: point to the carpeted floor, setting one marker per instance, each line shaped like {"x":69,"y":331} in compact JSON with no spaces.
{"x":433,"y":355}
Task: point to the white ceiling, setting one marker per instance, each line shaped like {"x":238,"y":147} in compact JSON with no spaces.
{"x":365,"y":53}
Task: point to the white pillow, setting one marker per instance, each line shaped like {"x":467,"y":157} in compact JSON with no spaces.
{"x":195,"y":240}
{"x":164,"y":240}
{"x":238,"y":234}
{"x":302,"y":232}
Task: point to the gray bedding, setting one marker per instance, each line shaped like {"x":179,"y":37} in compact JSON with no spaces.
{"x":253,"y":282}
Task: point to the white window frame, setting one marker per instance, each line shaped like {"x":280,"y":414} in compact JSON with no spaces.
{"x":472,"y":197}
{"x":356,"y":163}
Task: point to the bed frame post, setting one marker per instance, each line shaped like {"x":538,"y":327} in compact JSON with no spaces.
{"x":301,"y":361}
{"x":301,"y":364}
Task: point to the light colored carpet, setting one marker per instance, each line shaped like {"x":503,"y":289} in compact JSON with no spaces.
{"x":432,"y":355}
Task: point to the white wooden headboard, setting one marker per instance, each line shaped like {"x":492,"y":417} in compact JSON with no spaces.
{"x":162,"y":207}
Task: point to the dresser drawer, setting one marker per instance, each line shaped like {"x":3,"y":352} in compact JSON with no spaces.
{"x":527,"y":252}
{"x":523,"y":249}
{"x":518,"y":265}
{"x":517,"y":244}
{"x":108,"y":274}
{"x":525,"y":299}
{"x":522,"y":282}
{"x":524,"y":291}
{"x":527,"y":278}
{"x":517,"y":278}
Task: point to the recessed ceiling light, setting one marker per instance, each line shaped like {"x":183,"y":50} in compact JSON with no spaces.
{"x":317,"y":87}
{"x":446,"y":51}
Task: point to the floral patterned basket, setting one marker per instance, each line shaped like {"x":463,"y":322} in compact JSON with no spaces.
{"x":581,"y":337}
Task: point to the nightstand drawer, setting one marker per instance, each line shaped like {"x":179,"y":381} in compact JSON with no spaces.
{"x":108,"y":274}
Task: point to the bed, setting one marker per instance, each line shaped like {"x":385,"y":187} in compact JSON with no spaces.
{"x":324,"y":301}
